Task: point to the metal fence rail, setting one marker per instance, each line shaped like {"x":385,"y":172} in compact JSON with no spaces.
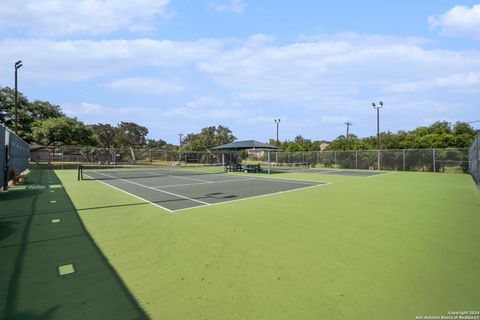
{"x":424,"y":160}
{"x":474,"y":160}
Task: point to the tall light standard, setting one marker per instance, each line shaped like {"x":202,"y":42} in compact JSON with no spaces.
{"x":18,"y":65}
{"x":277,"y":121}
{"x":378,"y":121}
{"x":378,"y":128}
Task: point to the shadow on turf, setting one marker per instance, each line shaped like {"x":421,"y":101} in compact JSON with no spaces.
{"x":117,"y":298}
{"x":41,"y":212}
{"x":47,"y":315}
{"x":7,"y":228}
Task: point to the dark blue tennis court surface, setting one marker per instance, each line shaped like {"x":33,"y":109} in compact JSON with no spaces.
{"x":178,"y":192}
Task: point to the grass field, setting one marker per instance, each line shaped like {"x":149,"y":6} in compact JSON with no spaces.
{"x":392,"y":246}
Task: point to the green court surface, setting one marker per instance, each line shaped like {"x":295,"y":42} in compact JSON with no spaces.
{"x":390,"y":246}
{"x":50,"y":267}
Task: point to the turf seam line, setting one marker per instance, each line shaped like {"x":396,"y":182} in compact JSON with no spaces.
{"x":259,"y":196}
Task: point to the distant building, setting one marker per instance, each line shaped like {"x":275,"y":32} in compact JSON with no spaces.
{"x":324,"y":145}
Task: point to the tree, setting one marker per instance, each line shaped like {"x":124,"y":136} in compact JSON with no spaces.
{"x":440,"y":134}
{"x":131,"y":136}
{"x":7,"y":108}
{"x":28,"y":112}
{"x":106,"y":135}
{"x":208,"y":138}
{"x":157,"y":144}
{"x":62,"y":131}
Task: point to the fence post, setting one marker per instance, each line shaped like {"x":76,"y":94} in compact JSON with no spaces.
{"x":433,"y":154}
{"x":335,"y":157}
{"x":356,"y":159}
{"x":403,"y":159}
{"x":268,"y":162}
{"x":318,"y":158}
{"x":478,"y":160}
{"x":378,"y":159}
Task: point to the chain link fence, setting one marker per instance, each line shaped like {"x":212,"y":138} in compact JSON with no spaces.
{"x":68,"y":156}
{"x":474,"y":160}
{"x":14,"y":155}
{"x":423,"y":160}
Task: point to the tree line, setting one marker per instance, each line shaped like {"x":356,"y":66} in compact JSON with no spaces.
{"x":440,"y":134}
{"x":46,"y":124}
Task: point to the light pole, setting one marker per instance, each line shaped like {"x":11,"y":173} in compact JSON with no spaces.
{"x":378,"y":121}
{"x":277,"y":121}
{"x":18,"y":65}
{"x":378,"y":128}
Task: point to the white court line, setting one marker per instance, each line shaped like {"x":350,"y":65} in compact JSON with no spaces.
{"x":205,"y":182}
{"x":153,"y":188}
{"x":192,"y":179}
{"x":259,"y":196}
{"x":284,"y":180}
{"x":218,"y":203}
{"x":133,"y":195}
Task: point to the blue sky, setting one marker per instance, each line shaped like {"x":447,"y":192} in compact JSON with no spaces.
{"x":178,"y":66}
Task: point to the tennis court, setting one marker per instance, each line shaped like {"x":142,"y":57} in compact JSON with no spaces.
{"x":175,"y":189}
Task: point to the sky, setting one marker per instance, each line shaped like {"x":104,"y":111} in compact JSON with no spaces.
{"x":177,"y":66}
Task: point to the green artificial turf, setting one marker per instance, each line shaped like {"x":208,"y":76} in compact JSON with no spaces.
{"x":393,"y":246}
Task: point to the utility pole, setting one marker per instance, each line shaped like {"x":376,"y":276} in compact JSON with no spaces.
{"x":277,"y":121}
{"x":180,"y":135}
{"x":348,"y":123}
{"x":18,"y":65}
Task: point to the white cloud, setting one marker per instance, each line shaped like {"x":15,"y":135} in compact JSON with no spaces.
{"x":90,"y":108}
{"x":52,"y":18}
{"x":96,"y":113}
{"x":71,"y":61}
{"x":204,"y":102}
{"x":203,"y":114}
{"x":465,"y":81}
{"x":206,"y":108}
{"x":458,"y":21}
{"x":145,"y":85}
{"x":335,"y":120}
{"x":254,"y":78}
{"x":235,"y":6}
{"x":314,"y":73}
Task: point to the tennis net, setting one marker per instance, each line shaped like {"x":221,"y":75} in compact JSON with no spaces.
{"x":289,"y":166}
{"x":108,"y":172}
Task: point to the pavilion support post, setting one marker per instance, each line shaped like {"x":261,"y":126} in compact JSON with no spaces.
{"x":268,"y":164}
